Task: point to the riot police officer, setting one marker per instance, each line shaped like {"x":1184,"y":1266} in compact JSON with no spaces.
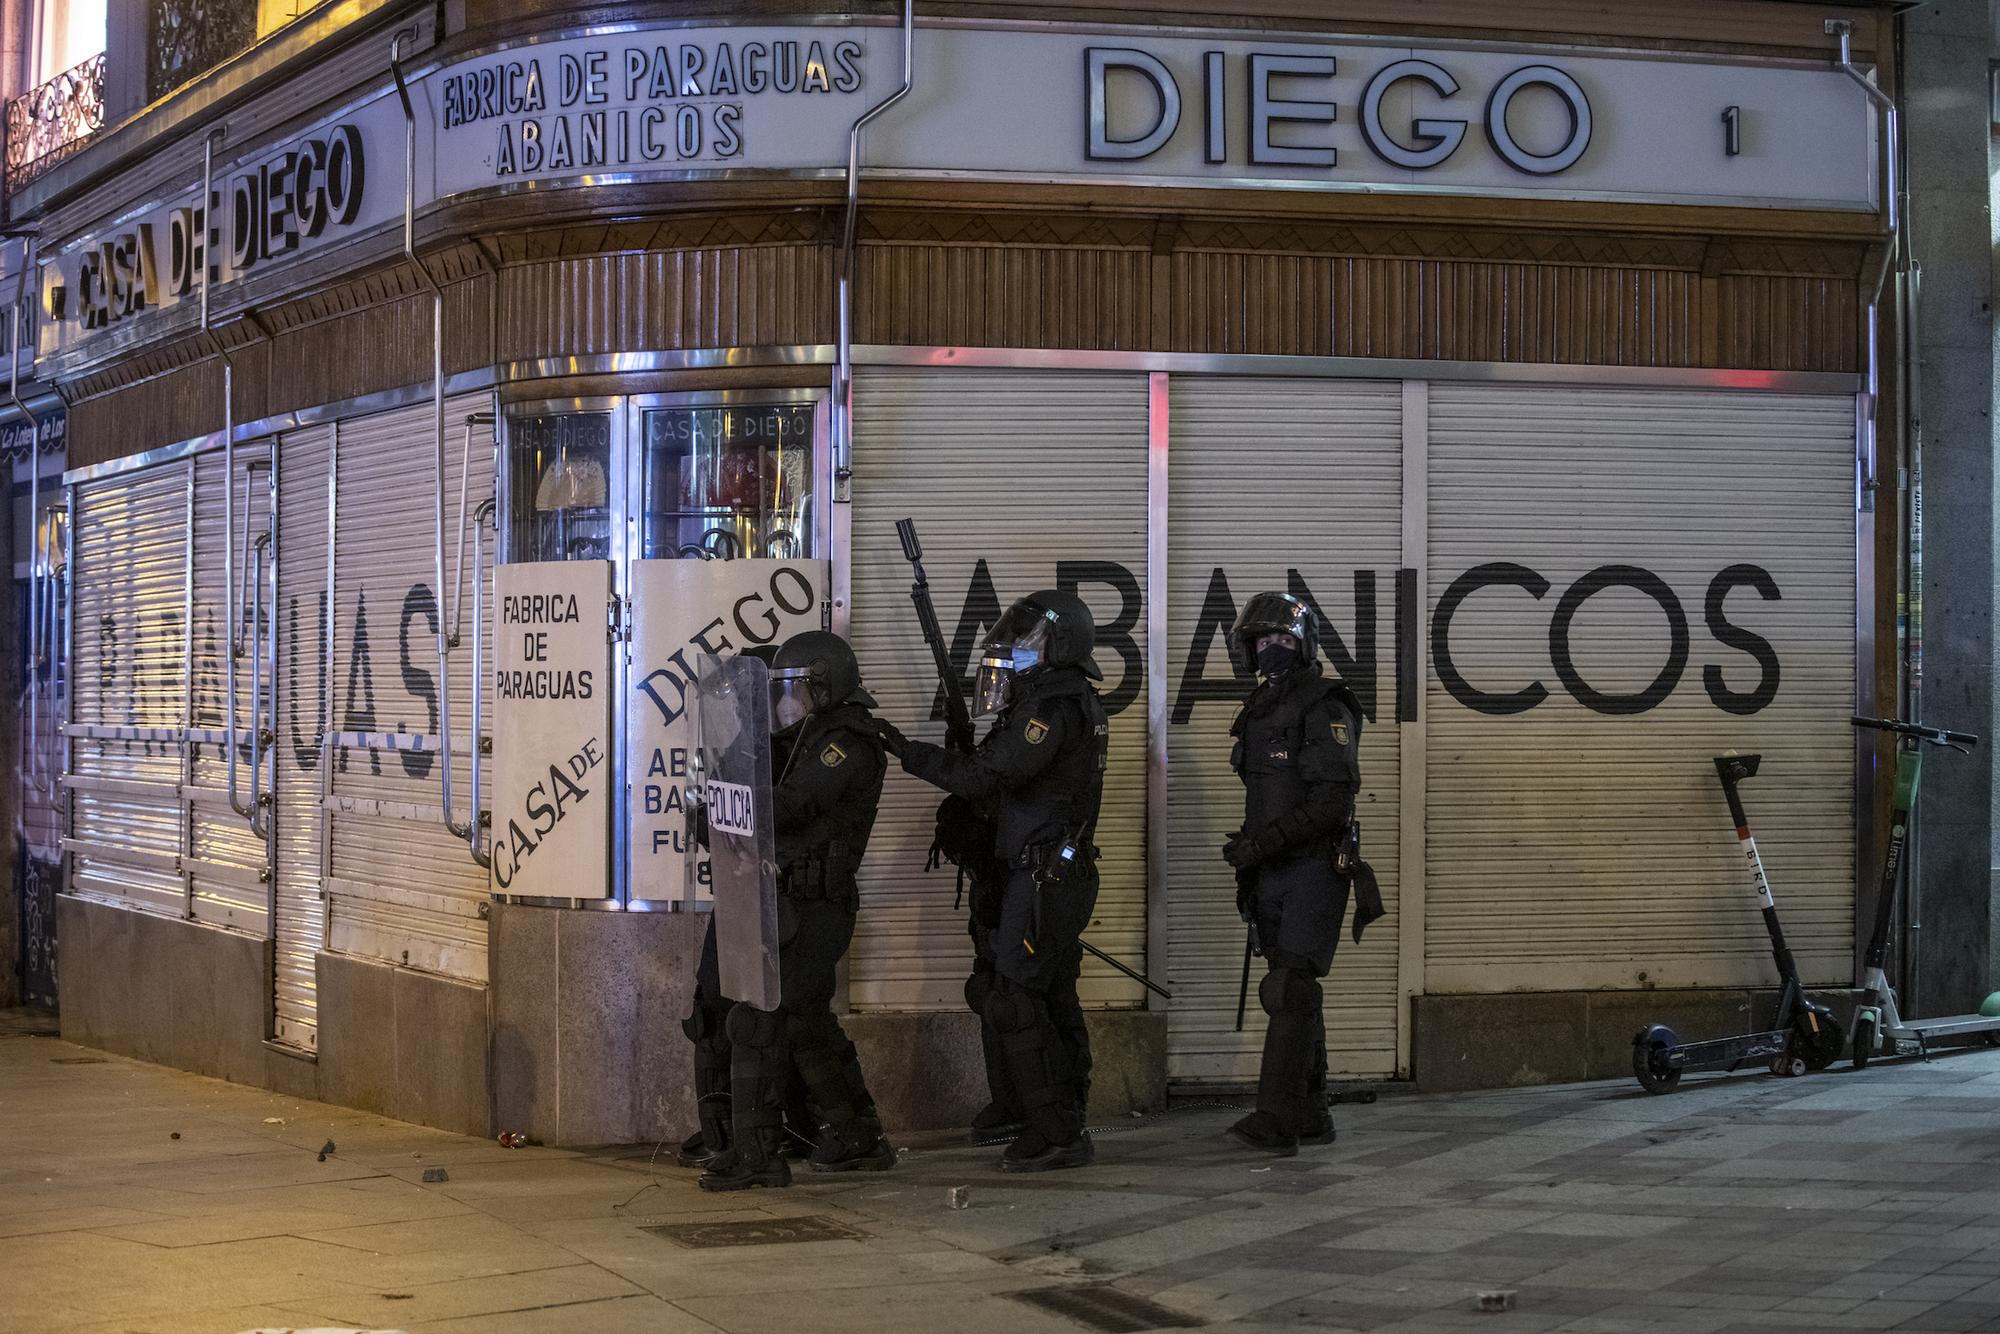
{"x":1295,"y":750}
{"x":830,"y":766}
{"x":1038,"y":776}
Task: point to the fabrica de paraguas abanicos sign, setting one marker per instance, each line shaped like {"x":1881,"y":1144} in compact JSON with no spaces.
{"x":996,"y":102}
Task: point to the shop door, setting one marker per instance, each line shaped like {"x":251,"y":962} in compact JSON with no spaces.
{"x":402,"y":887}
{"x":303,"y":623}
{"x":228,"y":862}
{"x":1017,"y":481}
{"x":1294,"y":485}
{"x":1626,"y":583}
{"x":129,"y":585}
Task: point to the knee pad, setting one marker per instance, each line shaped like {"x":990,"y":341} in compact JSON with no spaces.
{"x":1012,"y":1010}
{"x":978,"y":989}
{"x":1289,"y":991}
{"x":753,"y":1027}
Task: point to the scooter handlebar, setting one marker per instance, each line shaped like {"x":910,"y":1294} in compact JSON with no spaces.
{"x":1937,"y":736}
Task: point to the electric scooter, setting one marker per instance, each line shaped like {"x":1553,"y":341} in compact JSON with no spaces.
{"x":1803,"y":1036}
{"x":1879,"y":1029}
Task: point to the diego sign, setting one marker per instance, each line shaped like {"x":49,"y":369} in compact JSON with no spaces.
{"x":1009,"y":103}
{"x":683,"y":610}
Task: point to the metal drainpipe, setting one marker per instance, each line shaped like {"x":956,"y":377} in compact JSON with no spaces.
{"x":1892,"y":134}
{"x":247,"y":810}
{"x":452,"y":826}
{"x":843,"y":370}
{"x":1897,"y":256}
{"x":33,"y":777}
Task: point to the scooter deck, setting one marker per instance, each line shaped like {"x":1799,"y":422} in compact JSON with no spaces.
{"x":1717,"y":1052}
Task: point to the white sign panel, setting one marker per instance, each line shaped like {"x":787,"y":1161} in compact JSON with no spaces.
{"x":552,"y":795}
{"x":682,"y":609}
{"x":1001,"y":103}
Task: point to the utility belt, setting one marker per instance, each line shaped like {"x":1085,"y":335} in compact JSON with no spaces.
{"x":1056,"y":859}
{"x":820,"y":875}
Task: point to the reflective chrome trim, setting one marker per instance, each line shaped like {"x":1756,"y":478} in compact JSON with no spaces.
{"x":577,"y":905}
{"x":1413,"y":737}
{"x":1158,"y":692}
{"x":1173,"y":363}
{"x":671,"y":905}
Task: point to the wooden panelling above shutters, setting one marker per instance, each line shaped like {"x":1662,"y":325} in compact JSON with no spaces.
{"x":1265,"y":285}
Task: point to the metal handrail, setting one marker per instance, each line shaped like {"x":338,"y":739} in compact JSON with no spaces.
{"x":261,"y":740}
{"x":229,"y":571}
{"x":486,"y":513}
{"x":451,"y":825}
{"x":32,"y":768}
{"x":472,"y":419}
{"x":843,"y":370}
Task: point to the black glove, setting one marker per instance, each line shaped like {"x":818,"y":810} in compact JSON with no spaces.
{"x":1242,"y":850}
{"x":1246,"y":893}
{"x":893,"y":740}
{"x":698,"y":823}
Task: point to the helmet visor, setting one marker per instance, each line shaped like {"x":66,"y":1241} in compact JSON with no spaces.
{"x":1022,"y":628}
{"x":993,"y":688}
{"x":791,"y":698}
{"x":1269,"y":614}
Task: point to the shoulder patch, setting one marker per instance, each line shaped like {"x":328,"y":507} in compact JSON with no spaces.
{"x":1340,"y":734}
{"x":832,"y":756}
{"x":1036,"y":732}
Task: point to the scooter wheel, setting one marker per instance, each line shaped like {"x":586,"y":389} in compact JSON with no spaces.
{"x":1649,"y":1061}
{"x":1864,"y":1042}
{"x":1818,"y":1044}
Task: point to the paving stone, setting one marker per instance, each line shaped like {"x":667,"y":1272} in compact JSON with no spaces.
{"x":1606,"y":1212}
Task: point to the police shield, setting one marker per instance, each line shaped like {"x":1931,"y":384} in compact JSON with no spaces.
{"x":733,"y":723}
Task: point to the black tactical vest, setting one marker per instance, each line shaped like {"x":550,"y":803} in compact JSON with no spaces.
{"x":1062,"y":801}
{"x":821,"y":859}
{"x":1270,"y":735}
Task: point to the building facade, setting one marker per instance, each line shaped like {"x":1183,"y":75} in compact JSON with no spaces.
{"x":443,"y":382}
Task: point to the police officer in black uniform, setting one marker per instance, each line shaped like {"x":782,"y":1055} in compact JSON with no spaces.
{"x":1039,"y":777}
{"x":830,"y":766}
{"x":1295,"y":750}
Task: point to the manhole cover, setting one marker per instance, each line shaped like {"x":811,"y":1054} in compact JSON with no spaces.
{"x":754,"y":1232}
{"x":1109,"y":1309}
{"x":79,"y":1060}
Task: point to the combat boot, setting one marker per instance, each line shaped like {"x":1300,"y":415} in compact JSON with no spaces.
{"x":732,"y":1171}
{"x":1262,"y":1130}
{"x":1032,"y":1153}
{"x":995,"y":1125}
{"x":856,"y":1147}
{"x":695,"y":1151}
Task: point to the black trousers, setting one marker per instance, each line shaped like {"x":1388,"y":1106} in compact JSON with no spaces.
{"x":1025,"y":965}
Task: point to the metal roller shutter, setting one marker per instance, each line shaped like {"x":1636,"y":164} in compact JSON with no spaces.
{"x":1573,"y":847}
{"x":304,"y":473}
{"x":400,"y":887}
{"x":227,"y":862}
{"x":129,"y":684}
{"x":1042,"y":476}
{"x":1276,"y":484}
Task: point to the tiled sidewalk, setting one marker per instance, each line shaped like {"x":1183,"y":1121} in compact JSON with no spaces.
{"x":1865,"y":1201}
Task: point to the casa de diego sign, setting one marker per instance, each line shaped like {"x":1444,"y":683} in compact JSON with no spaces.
{"x":991,"y":102}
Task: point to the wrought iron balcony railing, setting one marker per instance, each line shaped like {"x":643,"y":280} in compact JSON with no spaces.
{"x":49,"y":122}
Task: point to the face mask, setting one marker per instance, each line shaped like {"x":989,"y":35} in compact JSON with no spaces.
{"x":1276,"y":659}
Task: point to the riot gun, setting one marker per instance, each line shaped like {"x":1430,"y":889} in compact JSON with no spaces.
{"x":957,"y":717}
{"x":964,"y":837}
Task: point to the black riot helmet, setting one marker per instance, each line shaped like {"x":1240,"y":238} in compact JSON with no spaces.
{"x":1274,"y":614}
{"x":811,"y":672}
{"x":1046,"y":629}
